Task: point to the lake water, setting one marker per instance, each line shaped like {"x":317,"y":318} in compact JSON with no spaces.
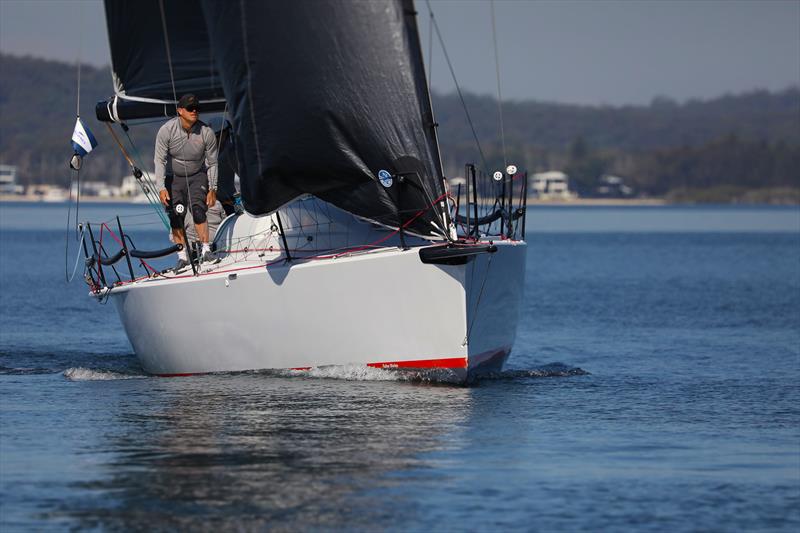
{"x":654,"y":385}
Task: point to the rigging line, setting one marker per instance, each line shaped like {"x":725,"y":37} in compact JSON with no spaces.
{"x":66,"y":235}
{"x":138,"y":157}
{"x":316,"y":221}
{"x":144,"y":212}
{"x":458,"y":88}
{"x":430,"y":51}
{"x":499,"y":93}
{"x":77,"y":171}
{"x":172,"y":82}
{"x":133,"y":166}
{"x":77,"y":198}
{"x":77,"y":260}
{"x":169,"y":54}
{"x":146,"y":183}
{"x":80,"y":52}
{"x":149,"y":188}
{"x":183,"y":145}
{"x":142,"y":122}
{"x":325,"y":208}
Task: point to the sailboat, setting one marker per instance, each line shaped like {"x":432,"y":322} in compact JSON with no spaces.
{"x":350,"y":249}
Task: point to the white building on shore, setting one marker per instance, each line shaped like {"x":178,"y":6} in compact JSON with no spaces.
{"x":552,"y":185}
{"x":8,"y":180}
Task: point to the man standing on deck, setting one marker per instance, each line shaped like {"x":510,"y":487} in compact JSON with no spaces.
{"x":186,"y":173}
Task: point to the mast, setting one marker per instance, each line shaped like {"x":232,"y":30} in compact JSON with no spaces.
{"x":434,"y":126}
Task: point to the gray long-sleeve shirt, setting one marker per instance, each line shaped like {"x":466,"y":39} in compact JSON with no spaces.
{"x":181,"y":153}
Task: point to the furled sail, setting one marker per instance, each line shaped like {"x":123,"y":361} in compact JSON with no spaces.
{"x":140,"y":60}
{"x":329,"y":98}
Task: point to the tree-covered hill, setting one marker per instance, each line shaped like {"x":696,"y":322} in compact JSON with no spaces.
{"x":748,"y":141}
{"x":37,"y":115}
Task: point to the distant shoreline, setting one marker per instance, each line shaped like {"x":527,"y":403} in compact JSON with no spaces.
{"x":34,"y":199}
{"x":616,"y":202}
{"x":577,"y":202}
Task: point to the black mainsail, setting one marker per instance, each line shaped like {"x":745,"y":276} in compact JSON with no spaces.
{"x":139,"y":60}
{"x":327,"y":97}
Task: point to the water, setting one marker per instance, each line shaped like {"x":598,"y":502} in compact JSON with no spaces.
{"x":653,"y":386}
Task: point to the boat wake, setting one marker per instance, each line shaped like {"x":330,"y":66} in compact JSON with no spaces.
{"x":343,"y":372}
{"x":70,"y":364}
{"x":368,"y":373}
{"x":88,"y":374}
{"x":351,"y":373}
{"x":107,"y":368}
{"x":432,"y":376}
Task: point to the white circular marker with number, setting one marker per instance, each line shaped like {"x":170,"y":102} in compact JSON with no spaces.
{"x":179,"y":209}
{"x":498,"y":176}
{"x":385,"y":178}
{"x":511,"y":170}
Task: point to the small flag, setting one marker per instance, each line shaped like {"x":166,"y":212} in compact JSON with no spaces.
{"x":83,"y":141}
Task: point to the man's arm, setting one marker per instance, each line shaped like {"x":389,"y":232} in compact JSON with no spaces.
{"x":160,"y":158}
{"x":211,"y":157}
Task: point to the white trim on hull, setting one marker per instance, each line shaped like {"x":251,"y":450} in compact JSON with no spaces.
{"x":384,"y":308}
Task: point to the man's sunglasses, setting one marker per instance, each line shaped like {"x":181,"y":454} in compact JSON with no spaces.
{"x":192,"y":108}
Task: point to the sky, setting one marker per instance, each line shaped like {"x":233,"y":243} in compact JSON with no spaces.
{"x":573,"y":51}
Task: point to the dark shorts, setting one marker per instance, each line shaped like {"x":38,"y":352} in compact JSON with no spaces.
{"x":193,"y":197}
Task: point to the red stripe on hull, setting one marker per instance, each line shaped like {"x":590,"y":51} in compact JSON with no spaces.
{"x":488,"y":360}
{"x":453,"y":362}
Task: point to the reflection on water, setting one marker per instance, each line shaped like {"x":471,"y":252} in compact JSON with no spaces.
{"x":250,"y":450}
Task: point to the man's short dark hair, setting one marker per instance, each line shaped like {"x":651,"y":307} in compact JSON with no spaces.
{"x":188,"y":100}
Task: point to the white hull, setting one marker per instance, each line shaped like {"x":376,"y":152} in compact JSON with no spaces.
{"x":384,"y":308}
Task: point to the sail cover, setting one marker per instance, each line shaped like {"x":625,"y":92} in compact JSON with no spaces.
{"x":329,"y":98}
{"x":139,"y":59}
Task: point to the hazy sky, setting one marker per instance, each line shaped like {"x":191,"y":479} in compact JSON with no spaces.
{"x":590,"y":52}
